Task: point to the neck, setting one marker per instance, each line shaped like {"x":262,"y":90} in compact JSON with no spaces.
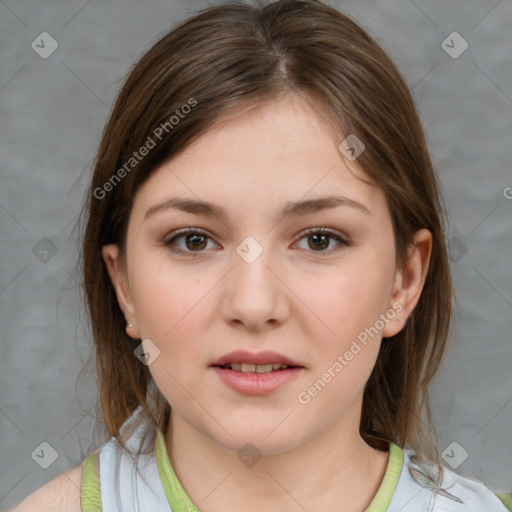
{"x":333,"y":468}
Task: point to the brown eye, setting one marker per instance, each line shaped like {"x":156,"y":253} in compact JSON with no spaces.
{"x":319,"y":239}
{"x":195,"y":241}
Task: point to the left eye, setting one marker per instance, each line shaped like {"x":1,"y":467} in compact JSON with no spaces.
{"x":321,"y":237}
{"x":197,"y":239}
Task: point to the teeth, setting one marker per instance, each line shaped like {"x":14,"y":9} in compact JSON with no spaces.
{"x":264,"y":368}
{"x":255,"y":368}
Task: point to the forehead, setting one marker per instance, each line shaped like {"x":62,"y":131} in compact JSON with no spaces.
{"x":260,"y":159}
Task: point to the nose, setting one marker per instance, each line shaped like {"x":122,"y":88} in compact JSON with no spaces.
{"x":255,"y":294}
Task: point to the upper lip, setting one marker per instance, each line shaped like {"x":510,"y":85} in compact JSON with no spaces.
{"x":267,"y":357}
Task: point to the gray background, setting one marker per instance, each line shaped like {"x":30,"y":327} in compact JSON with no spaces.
{"x":52,"y":114}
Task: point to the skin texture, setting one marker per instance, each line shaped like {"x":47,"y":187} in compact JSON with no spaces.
{"x":62,"y":494}
{"x":304,"y":302}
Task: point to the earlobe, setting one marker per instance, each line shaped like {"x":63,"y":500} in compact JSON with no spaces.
{"x":116,"y":272}
{"x":409,"y":282}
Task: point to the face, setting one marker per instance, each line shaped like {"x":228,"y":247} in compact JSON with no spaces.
{"x":257,"y":278}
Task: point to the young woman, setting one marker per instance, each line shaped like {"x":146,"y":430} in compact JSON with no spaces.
{"x":267,"y":278}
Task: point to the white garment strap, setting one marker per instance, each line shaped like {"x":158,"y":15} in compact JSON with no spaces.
{"x":122,"y":487}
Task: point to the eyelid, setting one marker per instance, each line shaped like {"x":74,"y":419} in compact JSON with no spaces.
{"x":328,"y":231}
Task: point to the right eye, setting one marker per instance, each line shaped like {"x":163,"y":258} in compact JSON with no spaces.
{"x":194,"y":239}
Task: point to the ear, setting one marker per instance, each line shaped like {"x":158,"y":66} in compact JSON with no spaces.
{"x":119,"y":280}
{"x":409,"y":282}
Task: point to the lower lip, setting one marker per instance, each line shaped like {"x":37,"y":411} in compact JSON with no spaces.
{"x":256,"y":383}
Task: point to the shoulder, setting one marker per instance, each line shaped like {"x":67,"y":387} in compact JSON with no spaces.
{"x":62,"y":494}
{"x":474,"y":493}
{"x":457,"y":493}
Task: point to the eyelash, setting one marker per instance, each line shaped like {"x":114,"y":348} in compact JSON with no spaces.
{"x":187,"y":231}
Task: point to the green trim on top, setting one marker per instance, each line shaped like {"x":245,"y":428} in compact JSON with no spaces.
{"x":506,"y":498}
{"x":90,"y":492}
{"x":176,"y":495}
{"x":180,"y":502}
{"x":382,"y":499}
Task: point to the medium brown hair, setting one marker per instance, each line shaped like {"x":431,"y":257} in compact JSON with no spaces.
{"x":236,"y":56}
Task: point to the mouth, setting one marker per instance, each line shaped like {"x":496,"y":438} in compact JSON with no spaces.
{"x":260,"y":362}
{"x":256,"y":368}
{"x":256,"y":373}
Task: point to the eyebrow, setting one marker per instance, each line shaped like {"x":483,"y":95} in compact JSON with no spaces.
{"x":199,"y":207}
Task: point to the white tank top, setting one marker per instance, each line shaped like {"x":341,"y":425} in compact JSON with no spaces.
{"x":122,"y":487}
{"x":111,"y":483}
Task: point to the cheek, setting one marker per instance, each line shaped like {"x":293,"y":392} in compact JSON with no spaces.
{"x":167,"y":296}
{"x":344,"y":338}
{"x":346,"y":299}
{"x":171,"y":313}
{"x":345,"y":333}
{"x":175,"y":311}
